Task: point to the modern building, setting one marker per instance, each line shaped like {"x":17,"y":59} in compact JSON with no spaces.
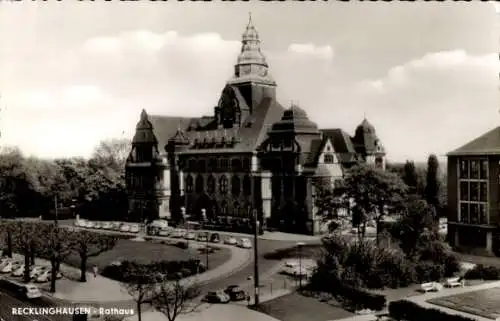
{"x":474,"y":194}
{"x":251,"y":154}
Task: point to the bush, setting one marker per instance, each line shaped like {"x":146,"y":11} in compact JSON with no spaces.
{"x":410,"y":311}
{"x":183,"y":245}
{"x":428,"y":271}
{"x":483,"y":272}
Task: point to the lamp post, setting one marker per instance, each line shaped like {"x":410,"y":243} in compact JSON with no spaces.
{"x":299,"y":246}
{"x":204,"y":218}
{"x":256,"y":257}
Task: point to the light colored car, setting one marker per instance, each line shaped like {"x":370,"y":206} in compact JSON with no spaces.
{"x":290,"y":267}
{"x":164,"y":232}
{"x":107,"y":226}
{"x":202,"y":237}
{"x":217,"y":297}
{"x":19,"y":271}
{"x":125,"y":228}
{"x":47,"y":275}
{"x":37,"y":270}
{"x":231,"y":241}
{"x":89,"y":224}
{"x":32,"y":291}
{"x":9,"y":267}
{"x":135,"y":228}
{"x":245,"y":243}
{"x":190,"y":236}
{"x":97,"y":225}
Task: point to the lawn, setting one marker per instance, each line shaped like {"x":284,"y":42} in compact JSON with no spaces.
{"x":485,"y":303}
{"x":296,"y":307}
{"x":145,"y":252}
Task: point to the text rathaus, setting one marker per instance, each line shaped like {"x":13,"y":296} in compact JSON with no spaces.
{"x":252,"y":154}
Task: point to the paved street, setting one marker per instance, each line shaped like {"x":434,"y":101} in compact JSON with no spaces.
{"x":8,"y":302}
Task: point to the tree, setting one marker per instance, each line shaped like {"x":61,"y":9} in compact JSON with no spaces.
{"x":6,"y":230}
{"x":12,"y":182}
{"x":417,"y":218}
{"x":375,"y":191}
{"x":57,"y":247}
{"x":172,"y":298}
{"x":114,"y":152}
{"x":140,"y":283}
{"x":329,"y":201}
{"x":89,"y":244}
{"x":410,"y":176}
{"x":432,"y":182}
{"x":23,"y":236}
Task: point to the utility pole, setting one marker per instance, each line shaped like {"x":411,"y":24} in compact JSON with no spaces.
{"x":256,"y":258}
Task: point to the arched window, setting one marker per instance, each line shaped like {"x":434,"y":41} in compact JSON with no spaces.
{"x":199,"y":184}
{"x":223,"y":208}
{"x":379,"y":161}
{"x":235,"y":186}
{"x":211,"y":184}
{"x":247,"y":185}
{"x":236,"y":209}
{"x":329,"y":159}
{"x":223,"y":184}
{"x":189,"y":184}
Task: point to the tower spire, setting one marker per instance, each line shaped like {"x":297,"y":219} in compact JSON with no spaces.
{"x":249,"y":19}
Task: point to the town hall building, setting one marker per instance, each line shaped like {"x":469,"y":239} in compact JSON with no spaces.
{"x":250,"y":154}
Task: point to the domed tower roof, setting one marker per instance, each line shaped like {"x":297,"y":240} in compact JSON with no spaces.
{"x":251,"y":65}
{"x":144,"y":131}
{"x":295,"y":120}
{"x":366,"y":138}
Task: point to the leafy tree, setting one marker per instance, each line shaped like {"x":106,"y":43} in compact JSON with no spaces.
{"x":410,"y":176}
{"x":329,"y":201}
{"x":375,"y":191}
{"x":89,"y":244}
{"x":432,"y":182}
{"x":23,"y":236}
{"x":417,"y":218}
{"x":12,"y":182}
{"x":172,"y":298}
{"x":6,"y":230}
{"x":57,"y":241}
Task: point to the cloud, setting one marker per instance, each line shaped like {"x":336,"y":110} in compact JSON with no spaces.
{"x":67,"y":99}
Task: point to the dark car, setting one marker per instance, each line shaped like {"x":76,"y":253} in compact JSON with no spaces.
{"x":235,"y":293}
{"x":215,"y":238}
{"x":217,"y":297}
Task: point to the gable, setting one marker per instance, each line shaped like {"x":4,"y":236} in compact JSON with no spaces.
{"x":327,"y":154}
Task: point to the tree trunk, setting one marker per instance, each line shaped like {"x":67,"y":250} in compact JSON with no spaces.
{"x":139,"y":312}
{"x":377,"y":226}
{"x":53,"y":274}
{"x":26,"y":266}
{"x":32,"y":256}
{"x":9,"y":244}
{"x":83,"y":267}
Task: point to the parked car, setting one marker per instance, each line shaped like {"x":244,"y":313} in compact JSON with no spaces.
{"x":25,"y":291}
{"x":37,"y":270}
{"x":235,"y":293}
{"x":217,"y":297}
{"x":10,"y":267}
{"x":289,"y":267}
{"x":107,"y":226}
{"x":135,"y":228}
{"x":202,"y":237}
{"x":245,"y":243}
{"x":164,"y":232}
{"x":47,"y":275}
{"x":231,"y":241}
{"x":190,"y":236}
{"x":97,"y":225}
{"x":89,"y":224}
{"x":182,"y":233}
{"x":215,"y":238}
{"x":19,"y":271}
{"x":125,"y":228}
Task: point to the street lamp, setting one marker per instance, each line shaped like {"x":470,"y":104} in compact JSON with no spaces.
{"x":256,"y":257}
{"x":299,"y":246}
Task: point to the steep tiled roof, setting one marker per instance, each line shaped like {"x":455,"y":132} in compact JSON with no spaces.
{"x":341,"y":141}
{"x":487,"y":144}
{"x":165,"y":127}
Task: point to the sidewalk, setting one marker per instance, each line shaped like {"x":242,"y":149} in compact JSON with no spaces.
{"x":101,"y":289}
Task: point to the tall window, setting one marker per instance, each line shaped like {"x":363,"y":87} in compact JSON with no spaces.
{"x":236,"y":165}
{"x":247,"y":186}
{"x":199,"y":184}
{"x":223,"y":184}
{"x":328,"y":159}
{"x":235,"y":186}
{"x":212,"y":164}
{"x":473,"y":191}
{"x":236,"y":209}
{"x":192,"y":165}
{"x":223,"y":208}
{"x":189,"y":184}
{"x":211,"y":184}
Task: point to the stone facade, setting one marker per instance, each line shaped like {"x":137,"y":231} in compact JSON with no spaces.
{"x":251,"y":154}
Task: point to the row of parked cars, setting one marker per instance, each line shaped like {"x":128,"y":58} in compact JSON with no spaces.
{"x":38,"y":273}
{"x":204,"y":237}
{"x":110,"y":226}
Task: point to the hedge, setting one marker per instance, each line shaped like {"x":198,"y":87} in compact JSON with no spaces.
{"x":483,"y":272}
{"x":171,"y":269}
{"x":410,"y":311}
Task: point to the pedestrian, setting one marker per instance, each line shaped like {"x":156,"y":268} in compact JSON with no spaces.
{"x":95,"y":270}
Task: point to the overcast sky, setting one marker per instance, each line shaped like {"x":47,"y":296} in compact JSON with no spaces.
{"x":74,"y":73}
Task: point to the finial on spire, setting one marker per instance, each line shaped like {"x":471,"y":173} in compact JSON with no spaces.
{"x":249,"y":19}
{"x":364,"y":115}
{"x":144,"y":115}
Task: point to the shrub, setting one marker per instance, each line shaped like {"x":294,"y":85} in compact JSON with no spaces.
{"x":410,"y":311}
{"x":183,"y":245}
{"x":428,"y":271}
{"x":483,"y":272}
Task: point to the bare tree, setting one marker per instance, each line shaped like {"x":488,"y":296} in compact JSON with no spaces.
{"x":89,"y":244}
{"x":6,"y":230}
{"x":57,"y":247}
{"x":24,"y":235}
{"x":140,"y":283}
{"x":173,"y":298}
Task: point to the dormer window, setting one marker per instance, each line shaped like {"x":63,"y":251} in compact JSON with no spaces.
{"x":328,"y":159}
